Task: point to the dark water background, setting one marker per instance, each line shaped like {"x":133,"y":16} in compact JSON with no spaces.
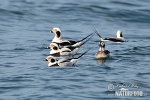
{"x":24,"y":32}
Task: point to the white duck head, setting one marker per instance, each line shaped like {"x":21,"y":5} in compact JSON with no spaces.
{"x":102,"y":46}
{"x":119,"y":34}
{"x":57,"y":33}
{"x":52,"y":61}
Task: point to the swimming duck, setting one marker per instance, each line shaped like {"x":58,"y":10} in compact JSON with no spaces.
{"x":102,"y":53}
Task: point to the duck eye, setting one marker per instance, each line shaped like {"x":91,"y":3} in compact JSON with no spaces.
{"x":102,"y":43}
{"x":52,"y":60}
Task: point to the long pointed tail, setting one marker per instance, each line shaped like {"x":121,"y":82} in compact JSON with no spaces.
{"x":98,"y":35}
{"x":85,"y":37}
{"x":77,"y":58}
{"x":82,"y":54}
{"x":82,"y":43}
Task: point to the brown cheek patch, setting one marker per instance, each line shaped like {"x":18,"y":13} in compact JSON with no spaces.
{"x":121,"y":35}
{"x":58,"y":34}
{"x":55,"y":48}
{"x":52,"y":60}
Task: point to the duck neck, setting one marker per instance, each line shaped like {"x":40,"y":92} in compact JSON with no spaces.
{"x":119,"y":35}
{"x":56,"y":38}
{"x":101,"y":49}
{"x":52,"y":64}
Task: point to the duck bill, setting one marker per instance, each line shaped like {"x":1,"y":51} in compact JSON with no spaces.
{"x":45,"y":60}
{"x":48,"y":47}
{"x":51,"y":31}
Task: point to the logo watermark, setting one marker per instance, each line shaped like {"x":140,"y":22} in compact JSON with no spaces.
{"x":125,"y":90}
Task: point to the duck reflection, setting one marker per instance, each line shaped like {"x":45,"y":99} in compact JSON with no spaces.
{"x":101,"y":61}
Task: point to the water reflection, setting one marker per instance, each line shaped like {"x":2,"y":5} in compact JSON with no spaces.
{"x":101,"y":61}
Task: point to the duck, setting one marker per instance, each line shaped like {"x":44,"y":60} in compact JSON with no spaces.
{"x":65,"y":51}
{"x":102,"y":53}
{"x":63,"y":62}
{"x":63,"y":43}
{"x":119,"y":37}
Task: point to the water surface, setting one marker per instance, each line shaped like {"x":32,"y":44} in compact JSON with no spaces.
{"x":24,"y":32}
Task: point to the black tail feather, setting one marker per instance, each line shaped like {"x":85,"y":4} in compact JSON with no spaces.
{"x":86,"y":37}
{"x":86,"y":41}
{"x":97,"y":33}
{"x":82,"y":54}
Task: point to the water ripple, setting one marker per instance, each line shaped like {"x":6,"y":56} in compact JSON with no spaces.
{"x":24,"y":32}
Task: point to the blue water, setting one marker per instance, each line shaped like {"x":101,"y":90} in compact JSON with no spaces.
{"x":24,"y":33}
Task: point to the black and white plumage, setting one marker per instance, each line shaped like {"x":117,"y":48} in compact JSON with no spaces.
{"x":119,"y":37}
{"x":65,"y":51}
{"x":102,"y":53}
{"x":63,"y":62}
{"x":57,"y":33}
{"x":63,"y":43}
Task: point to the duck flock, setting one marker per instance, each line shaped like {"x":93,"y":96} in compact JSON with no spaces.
{"x":63,"y":52}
